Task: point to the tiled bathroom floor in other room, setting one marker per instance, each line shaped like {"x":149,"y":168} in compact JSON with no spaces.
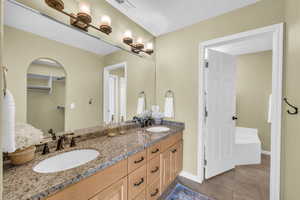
{"x":249,"y":182}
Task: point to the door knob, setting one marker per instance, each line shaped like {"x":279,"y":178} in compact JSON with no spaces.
{"x":234,"y":118}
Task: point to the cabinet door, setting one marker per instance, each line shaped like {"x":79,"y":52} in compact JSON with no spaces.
{"x":175,"y":160}
{"x":117,"y":191}
{"x":165,"y":175}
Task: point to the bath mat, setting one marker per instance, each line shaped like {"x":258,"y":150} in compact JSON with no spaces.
{"x":181,"y":192}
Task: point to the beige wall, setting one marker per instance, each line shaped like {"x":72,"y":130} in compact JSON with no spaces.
{"x":177,"y":57}
{"x":140,"y":77}
{"x":1,"y":86}
{"x":253,"y":86}
{"x":84,"y":75}
{"x":120,"y":22}
{"x":291,"y":136}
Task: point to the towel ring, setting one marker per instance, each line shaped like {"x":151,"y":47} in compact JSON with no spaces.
{"x":142,"y":94}
{"x":169,"y":93}
{"x":5,"y":80}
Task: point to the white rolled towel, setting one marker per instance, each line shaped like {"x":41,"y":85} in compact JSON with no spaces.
{"x":140,"y":106}
{"x":8,"y":123}
{"x":169,"y":107}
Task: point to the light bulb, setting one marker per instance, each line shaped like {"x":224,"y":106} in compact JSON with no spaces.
{"x":128,"y":34}
{"x":84,"y":7}
{"x":139,"y":41}
{"x":105,"y":20}
{"x":149,"y":46}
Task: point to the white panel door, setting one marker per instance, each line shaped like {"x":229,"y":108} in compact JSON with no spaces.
{"x":220,"y":105}
{"x":123,"y":98}
{"x":111,"y":97}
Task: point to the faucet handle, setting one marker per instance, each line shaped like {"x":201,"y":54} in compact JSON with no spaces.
{"x":53,"y":135}
{"x":73,"y":141}
{"x":60,"y":143}
{"x":45,"y":149}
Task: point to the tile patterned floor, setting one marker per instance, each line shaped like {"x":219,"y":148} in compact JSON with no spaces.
{"x":249,"y":182}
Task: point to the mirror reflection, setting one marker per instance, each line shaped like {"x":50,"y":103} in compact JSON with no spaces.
{"x":46,"y":82}
{"x":64,"y":79}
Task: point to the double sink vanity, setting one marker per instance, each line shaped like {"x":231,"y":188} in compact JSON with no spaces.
{"x":138,"y":165}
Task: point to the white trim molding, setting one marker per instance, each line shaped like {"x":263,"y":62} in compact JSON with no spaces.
{"x":190,"y":176}
{"x":105,"y":86}
{"x":277,"y":66}
{"x":268,"y":153}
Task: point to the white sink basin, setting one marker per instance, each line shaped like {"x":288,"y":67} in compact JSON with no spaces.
{"x":66,"y":161}
{"x":158,"y":129}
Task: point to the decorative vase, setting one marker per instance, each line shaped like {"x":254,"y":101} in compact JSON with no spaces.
{"x":22,"y":156}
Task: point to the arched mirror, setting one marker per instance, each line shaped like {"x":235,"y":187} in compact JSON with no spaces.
{"x":46,"y":91}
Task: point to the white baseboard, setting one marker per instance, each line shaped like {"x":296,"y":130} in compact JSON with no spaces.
{"x":190,"y":176}
{"x":266,"y":152}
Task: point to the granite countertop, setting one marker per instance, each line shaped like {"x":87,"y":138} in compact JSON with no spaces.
{"x":22,"y":183}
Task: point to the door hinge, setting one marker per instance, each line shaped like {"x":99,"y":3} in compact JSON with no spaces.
{"x":205,"y":162}
{"x":206,"y":64}
{"x":205,"y":113}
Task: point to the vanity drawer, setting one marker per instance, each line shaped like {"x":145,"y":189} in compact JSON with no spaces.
{"x":153,"y":191}
{"x":137,"y":182}
{"x":137,"y":160}
{"x":90,"y":186}
{"x":153,"y":170}
{"x":154,"y":150}
{"x":141,"y":196}
{"x":170,"y":141}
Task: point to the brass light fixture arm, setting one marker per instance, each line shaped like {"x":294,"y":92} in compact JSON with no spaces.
{"x":75,"y":18}
{"x":137,"y":50}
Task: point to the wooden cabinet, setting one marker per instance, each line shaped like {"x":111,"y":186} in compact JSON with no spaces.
{"x":137,"y":160}
{"x":143,"y":176}
{"x":153,"y":170}
{"x":153,"y":190}
{"x":93,"y":184}
{"x":154,"y":150}
{"x":117,"y":191}
{"x":171,"y":161}
{"x":137,"y":182}
{"x":165,"y":177}
{"x":175,"y":160}
{"x":141,"y":196}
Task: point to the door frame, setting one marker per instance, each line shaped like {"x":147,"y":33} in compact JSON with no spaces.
{"x":105,"y":86}
{"x":277,"y":68}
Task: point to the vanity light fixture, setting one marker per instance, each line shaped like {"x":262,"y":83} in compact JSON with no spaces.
{"x":83,"y":18}
{"x":105,"y":25}
{"x":138,"y":46}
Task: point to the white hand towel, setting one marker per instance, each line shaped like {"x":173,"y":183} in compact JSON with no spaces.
{"x":8,"y":123}
{"x":169,"y":107}
{"x":140,"y":106}
{"x":270,"y":109}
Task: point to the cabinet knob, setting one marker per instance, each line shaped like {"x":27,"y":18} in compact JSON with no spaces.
{"x":140,"y":160}
{"x":155,"y":151}
{"x":139,"y":183}
{"x":155,"y":170}
{"x":155,"y":193}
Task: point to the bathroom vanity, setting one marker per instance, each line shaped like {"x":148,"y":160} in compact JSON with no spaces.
{"x":138,"y":165}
